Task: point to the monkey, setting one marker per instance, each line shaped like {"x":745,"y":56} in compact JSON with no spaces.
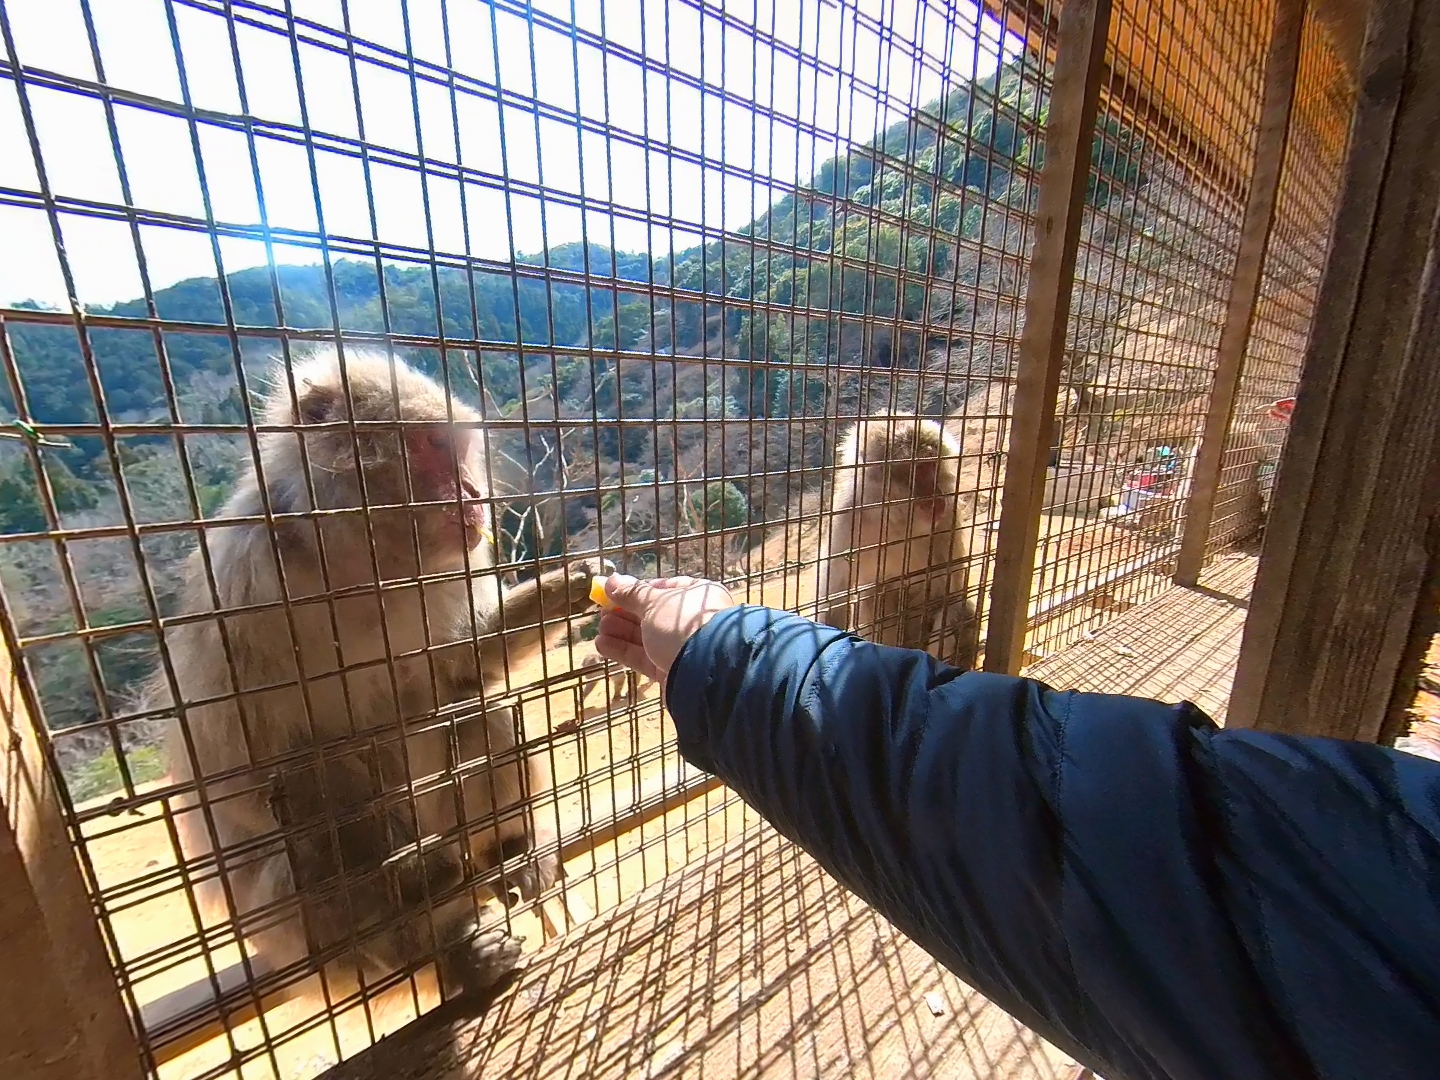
{"x":307,"y":718}
{"x":618,"y":685}
{"x":982,"y":428}
{"x":894,"y":553}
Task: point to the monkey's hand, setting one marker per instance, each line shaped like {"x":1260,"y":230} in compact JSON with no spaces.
{"x":554,"y":595}
{"x":581,"y":579}
{"x":537,"y":873}
{"x":482,"y":962}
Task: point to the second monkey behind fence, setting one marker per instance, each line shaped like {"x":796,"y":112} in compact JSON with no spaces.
{"x":894,"y":553}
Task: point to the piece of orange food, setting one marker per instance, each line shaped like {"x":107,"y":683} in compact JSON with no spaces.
{"x":597,"y":592}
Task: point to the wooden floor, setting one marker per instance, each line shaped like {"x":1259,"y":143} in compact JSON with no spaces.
{"x":754,"y":963}
{"x":751,"y":963}
{"x":1181,"y":646}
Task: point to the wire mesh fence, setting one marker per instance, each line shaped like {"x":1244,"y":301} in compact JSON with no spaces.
{"x":1299,"y":239}
{"x":1151,"y":285}
{"x":329,"y":321}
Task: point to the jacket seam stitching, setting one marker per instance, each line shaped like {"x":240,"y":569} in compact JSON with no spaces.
{"x":1058,"y":786}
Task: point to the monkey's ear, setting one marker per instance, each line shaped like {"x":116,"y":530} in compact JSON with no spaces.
{"x":317,"y":403}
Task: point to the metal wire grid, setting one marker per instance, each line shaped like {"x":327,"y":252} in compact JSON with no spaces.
{"x":952,"y":251}
{"x":90,"y":586}
{"x":1151,"y":285}
{"x":1295,"y":259}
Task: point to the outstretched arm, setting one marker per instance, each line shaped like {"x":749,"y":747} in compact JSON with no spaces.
{"x":1158,"y":897}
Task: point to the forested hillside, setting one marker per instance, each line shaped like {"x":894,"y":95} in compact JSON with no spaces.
{"x":859,"y":271}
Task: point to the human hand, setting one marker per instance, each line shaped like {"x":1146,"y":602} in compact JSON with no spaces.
{"x":652,"y":620}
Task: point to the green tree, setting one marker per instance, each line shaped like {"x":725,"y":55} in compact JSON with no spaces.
{"x":720,"y":505}
{"x":22,"y":511}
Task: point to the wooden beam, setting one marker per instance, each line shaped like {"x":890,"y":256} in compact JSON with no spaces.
{"x":61,"y":1014}
{"x":656,"y":796}
{"x":1423,"y":629}
{"x":1069,"y":135}
{"x":1280,"y":70}
{"x":41,"y":1037}
{"x":190,"y":1016}
{"x":1350,"y":550}
{"x":1131,"y":96}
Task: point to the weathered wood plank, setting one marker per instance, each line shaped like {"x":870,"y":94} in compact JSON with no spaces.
{"x":1069,"y":133}
{"x":1180,"y":646}
{"x":41,"y":1037}
{"x":1351,"y":542}
{"x":60,"y":1013}
{"x":1280,"y":70}
{"x":752,"y":962}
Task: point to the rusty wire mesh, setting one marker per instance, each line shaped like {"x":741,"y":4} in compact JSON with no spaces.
{"x":1152,"y":281}
{"x":666,"y":251}
{"x":669,"y":251}
{"x":1299,"y":239}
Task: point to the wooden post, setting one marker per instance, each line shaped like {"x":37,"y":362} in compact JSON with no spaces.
{"x":61,"y":1016}
{"x":1347,"y":572}
{"x":1280,"y":69}
{"x":1069,"y":135}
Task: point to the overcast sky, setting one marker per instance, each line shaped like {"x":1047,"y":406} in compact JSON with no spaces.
{"x":137,"y":55}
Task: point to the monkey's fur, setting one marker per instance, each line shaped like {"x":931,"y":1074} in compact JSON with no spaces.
{"x":321,"y":734}
{"x":894,"y":554}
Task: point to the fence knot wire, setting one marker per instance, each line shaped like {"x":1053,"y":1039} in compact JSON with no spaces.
{"x":31,"y":434}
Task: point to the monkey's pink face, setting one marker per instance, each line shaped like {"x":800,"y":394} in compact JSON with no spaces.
{"x":446,"y":469}
{"x":920,"y":504}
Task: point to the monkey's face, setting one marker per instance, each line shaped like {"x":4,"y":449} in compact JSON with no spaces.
{"x":413,"y":463}
{"x":422,"y":488}
{"x":445,"y":484}
{"x":921,"y":496}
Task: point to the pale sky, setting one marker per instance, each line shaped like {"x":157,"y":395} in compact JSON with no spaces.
{"x":137,"y":55}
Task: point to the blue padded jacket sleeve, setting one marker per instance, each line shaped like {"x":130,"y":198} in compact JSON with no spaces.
{"x":1156,"y":897}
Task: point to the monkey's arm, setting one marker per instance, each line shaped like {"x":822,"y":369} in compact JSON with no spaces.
{"x":529,"y":612}
{"x":835,"y":575}
{"x":1156,"y":896}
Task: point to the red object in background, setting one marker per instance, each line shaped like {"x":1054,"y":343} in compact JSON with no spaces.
{"x":1281,"y":410}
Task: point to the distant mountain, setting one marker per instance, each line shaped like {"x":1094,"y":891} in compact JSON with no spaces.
{"x":834,"y":249}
